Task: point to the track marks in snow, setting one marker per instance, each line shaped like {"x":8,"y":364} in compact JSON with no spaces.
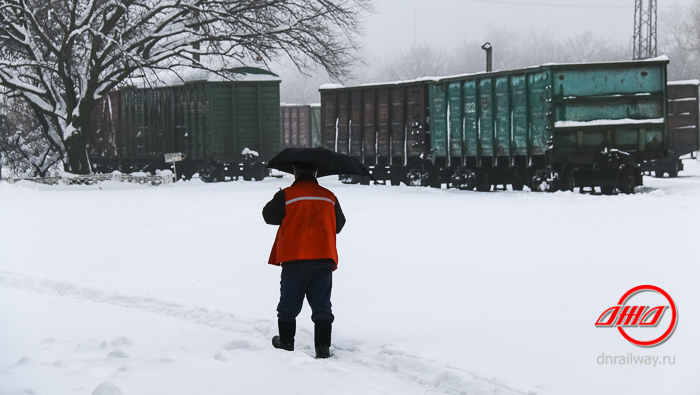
{"x":429,"y":373}
{"x":349,"y":355}
{"x":21,"y":391}
{"x":84,"y":361}
{"x":201,"y":316}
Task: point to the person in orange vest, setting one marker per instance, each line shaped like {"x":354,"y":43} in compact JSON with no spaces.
{"x":309,"y":217}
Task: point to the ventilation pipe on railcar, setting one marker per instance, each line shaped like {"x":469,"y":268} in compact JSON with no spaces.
{"x":488,"y":48}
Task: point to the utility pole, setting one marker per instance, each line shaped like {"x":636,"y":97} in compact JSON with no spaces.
{"x":644,"y":43}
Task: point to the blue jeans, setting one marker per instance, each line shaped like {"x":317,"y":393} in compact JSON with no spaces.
{"x":311,"y":280}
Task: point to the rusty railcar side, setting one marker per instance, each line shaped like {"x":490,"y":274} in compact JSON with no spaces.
{"x":384,"y":126}
{"x":683,"y":127}
{"x":683,"y":117}
{"x":300,"y":125}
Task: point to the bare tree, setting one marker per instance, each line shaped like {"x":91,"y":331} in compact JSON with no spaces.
{"x":469,"y":58}
{"x":24,"y":150}
{"x":679,"y":39}
{"x":512,"y":50}
{"x":539,"y":46}
{"x":417,"y":61}
{"x":587,"y":47}
{"x":63,"y":56}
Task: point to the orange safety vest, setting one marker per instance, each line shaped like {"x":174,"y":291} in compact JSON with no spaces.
{"x":308,"y":228}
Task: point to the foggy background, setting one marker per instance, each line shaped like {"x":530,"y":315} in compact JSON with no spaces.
{"x":406,"y":39}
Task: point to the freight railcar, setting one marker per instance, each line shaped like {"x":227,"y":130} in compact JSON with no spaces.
{"x":550,"y":127}
{"x":384,"y":126}
{"x":300,"y":125}
{"x":225,"y":128}
{"x":683,"y":130}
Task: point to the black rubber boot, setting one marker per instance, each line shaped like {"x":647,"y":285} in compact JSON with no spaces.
{"x":285,"y":340}
{"x":322,"y":338}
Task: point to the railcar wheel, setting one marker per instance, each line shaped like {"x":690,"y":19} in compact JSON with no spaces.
{"x":627,"y":180}
{"x":482,"y":182}
{"x":518,"y":186}
{"x":536,"y":184}
{"x":674,"y":171}
{"x":206,"y":175}
{"x":259,"y":171}
{"x":554,"y":181}
{"x":434,"y":180}
{"x":395,"y":176}
{"x":568,"y":182}
{"x":607,"y":189}
{"x":470,"y":185}
{"x":659,"y":173}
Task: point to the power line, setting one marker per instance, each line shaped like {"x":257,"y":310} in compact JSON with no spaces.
{"x":554,"y":5}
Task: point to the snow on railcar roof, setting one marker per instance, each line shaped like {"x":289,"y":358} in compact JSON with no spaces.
{"x":684,"y":82}
{"x":660,"y":58}
{"x":462,"y":75}
{"x":181,"y":76}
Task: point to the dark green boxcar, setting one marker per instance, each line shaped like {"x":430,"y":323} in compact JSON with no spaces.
{"x":211,"y":122}
{"x":554,"y":126}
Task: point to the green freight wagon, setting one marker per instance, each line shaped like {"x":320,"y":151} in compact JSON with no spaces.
{"x":552,"y":127}
{"x":225,"y":128}
{"x":683,"y":128}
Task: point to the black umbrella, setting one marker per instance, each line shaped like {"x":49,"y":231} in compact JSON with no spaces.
{"x":327,"y":162}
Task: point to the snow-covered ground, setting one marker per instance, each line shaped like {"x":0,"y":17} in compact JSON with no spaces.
{"x":127,"y":289}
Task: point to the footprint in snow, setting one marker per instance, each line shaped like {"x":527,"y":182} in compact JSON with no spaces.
{"x":117,"y":353}
{"x":222,"y":356}
{"x":130,"y":368}
{"x":389,"y":350}
{"x":348,"y":345}
{"x":107,"y":388}
{"x":48,"y":342}
{"x":121,"y":341}
{"x":22,"y":391}
{"x":24,"y":362}
{"x":92,"y":345}
{"x":241,"y":345}
{"x":59,"y":364}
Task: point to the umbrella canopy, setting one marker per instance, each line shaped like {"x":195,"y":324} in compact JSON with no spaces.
{"x":328,"y":162}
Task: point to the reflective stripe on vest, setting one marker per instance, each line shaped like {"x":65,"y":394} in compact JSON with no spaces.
{"x":310,"y":198}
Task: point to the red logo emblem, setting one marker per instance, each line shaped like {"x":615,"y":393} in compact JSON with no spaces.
{"x":630,"y":316}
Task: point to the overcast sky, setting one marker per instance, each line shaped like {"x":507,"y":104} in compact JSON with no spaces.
{"x":397,"y":24}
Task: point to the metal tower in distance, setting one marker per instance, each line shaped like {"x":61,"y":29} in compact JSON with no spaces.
{"x":644,"y":45}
